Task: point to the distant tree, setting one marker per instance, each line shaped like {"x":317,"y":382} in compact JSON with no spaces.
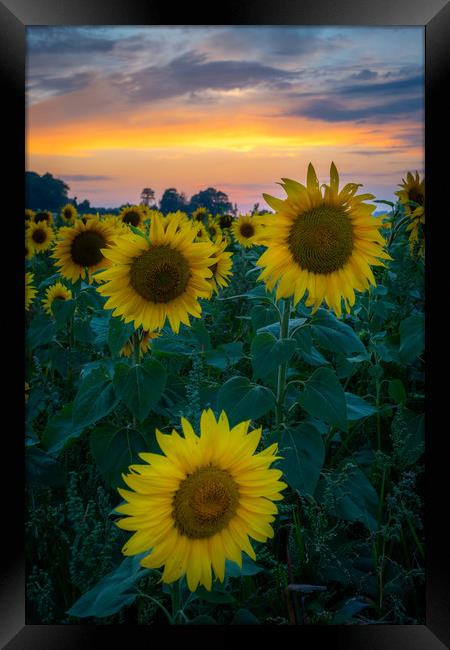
{"x":147,"y":196}
{"x":84,"y":207}
{"x":171,"y":201}
{"x":215,"y":201}
{"x":45,"y":192}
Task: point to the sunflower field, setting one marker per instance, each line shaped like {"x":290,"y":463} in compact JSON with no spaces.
{"x":224,"y":416}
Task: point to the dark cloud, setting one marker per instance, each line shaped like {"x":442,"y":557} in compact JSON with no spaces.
{"x":395,"y":88}
{"x":364,"y":75}
{"x":193,"y":72}
{"x":61,"y":85}
{"x":65,"y":40}
{"x":85,"y":177}
{"x":333,"y":110}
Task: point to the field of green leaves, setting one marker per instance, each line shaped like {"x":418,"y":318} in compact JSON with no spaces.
{"x":342,"y":395}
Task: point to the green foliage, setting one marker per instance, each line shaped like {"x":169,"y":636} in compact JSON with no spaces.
{"x":242,"y":400}
{"x":140,"y":386}
{"x":303,"y":454}
{"x":324,"y":398}
{"x":268,"y":353}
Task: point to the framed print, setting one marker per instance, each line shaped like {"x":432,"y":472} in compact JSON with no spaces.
{"x":228,"y":416}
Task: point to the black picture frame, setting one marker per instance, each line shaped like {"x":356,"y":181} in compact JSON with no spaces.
{"x":434,"y":16}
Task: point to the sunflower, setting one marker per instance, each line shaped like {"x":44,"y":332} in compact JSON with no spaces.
{"x":56,"y":291}
{"x":29,"y":215}
{"x":221,"y":268}
{"x":29,"y":249}
{"x":43,"y":215}
{"x":197,"y":505}
{"x":30,"y":290}
{"x":245,"y":230}
{"x":323,"y":244}
{"x":200,"y":231}
{"x":144,"y":344}
{"x":69,"y":213}
{"x":159,"y":278}
{"x":79,"y":251}
{"x":40,"y":235}
{"x":225,"y":221}
{"x":133,"y":216}
{"x":213,"y":229}
{"x":417,"y":231}
{"x":200,"y":214}
{"x":413,"y":193}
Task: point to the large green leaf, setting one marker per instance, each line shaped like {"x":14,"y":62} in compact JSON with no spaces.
{"x":249,"y":568}
{"x":60,"y":431}
{"x":227,"y":354}
{"x":358,"y":408}
{"x":113,"y":592}
{"x":412,"y":337}
{"x":303,"y":454}
{"x":334,"y":335}
{"x":324,"y":398}
{"x":63,"y":311}
{"x":42,"y":469}
{"x":41,"y":331}
{"x":140,"y":386}
{"x":115,"y":449}
{"x":244,"y":617}
{"x":95,"y":398}
{"x":353,"y":497}
{"x":269,"y":352}
{"x":241,"y":400}
{"x":100,"y":325}
{"x":118,"y":334}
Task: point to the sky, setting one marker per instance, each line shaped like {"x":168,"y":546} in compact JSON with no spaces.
{"x":111,"y":110}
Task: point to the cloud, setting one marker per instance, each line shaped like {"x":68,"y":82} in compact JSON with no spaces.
{"x":66,"y":41}
{"x":193,"y":72}
{"x":85,"y":177}
{"x":60,"y":85}
{"x":334,"y":110}
{"x":398,"y":87}
{"x":364,"y":75}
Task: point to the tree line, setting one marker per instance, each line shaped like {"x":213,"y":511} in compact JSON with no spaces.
{"x":49,"y":193}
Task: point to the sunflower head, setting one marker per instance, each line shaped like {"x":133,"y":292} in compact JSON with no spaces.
{"x":416,"y":230}
{"x":221,"y":265}
{"x":198,"y":504}
{"x":30,"y":290}
{"x":246,"y":230}
{"x":133,"y":215}
{"x":412,"y":194}
{"x":40,"y":236}
{"x":321,"y":242}
{"x":29,"y":215}
{"x":29,"y":249}
{"x":69,"y":213}
{"x":79,"y":249}
{"x":57,"y":291}
{"x":225,"y":221}
{"x":200,"y":214}
{"x":43,"y":215}
{"x":157,"y":278}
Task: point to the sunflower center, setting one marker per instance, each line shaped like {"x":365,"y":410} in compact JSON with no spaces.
{"x":132,"y":218}
{"x":39,"y":236}
{"x":247,"y":230}
{"x":67,"y":213}
{"x":160,"y":274}
{"x":85,"y":250}
{"x":321,"y":239}
{"x":416,"y":196}
{"x":205,"y":502}
{"x":41,"y":216}
{"x":225,"y":221}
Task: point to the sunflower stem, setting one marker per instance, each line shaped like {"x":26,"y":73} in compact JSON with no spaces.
{"x":282,"y":368}
{"x":396,"y":229}
{"x":136,"y":347}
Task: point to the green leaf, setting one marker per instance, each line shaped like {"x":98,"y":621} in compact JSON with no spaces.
{"x":324,"y":398}
{"x":140,"y":386}
{"x":95,"y":398}
{"x":115,"y":449}
{"x":263,"y":315}
{"x":113,"y":592}
{"x":274,"y":328}
{"x":353,"y":497}
{"x":249,"y":568}
{"x":412,"y":337}
{"x":60,"y":431}
{"x":303,"y":454}
{"x":203,"y":619}
{"x":244,"y":617}
{"x":63,"y":311}
{"x":35,"y":404}
{"x":225,"y":355}
{"x":118,"y":334}
{"x":397,"y":391}
{"x":358,"y":408}
{"x":41,"y":331}
{"x":348,"y":611}
{"x":241,"y":400}
{"x":214,"y":596}
{"x":334,"y":335}
{"x":41,"y":469}
{"x":268,"y":353}
{"x":100,"y":325}
{"x":82,"y":331}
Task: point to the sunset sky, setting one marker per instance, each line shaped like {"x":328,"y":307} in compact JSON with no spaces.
{"x":111,"y":110}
